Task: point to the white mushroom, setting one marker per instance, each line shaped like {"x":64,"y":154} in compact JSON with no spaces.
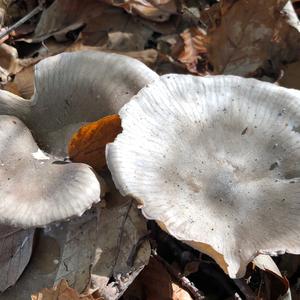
{"x":70,"y":89}
{"x":216,"y":162}
{"x":38,"y":188}
{"x":35,"y":188}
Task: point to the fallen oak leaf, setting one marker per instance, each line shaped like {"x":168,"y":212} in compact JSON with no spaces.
{"x":88,"y":144}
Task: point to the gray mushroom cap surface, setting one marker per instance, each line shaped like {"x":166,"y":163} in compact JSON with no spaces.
{"x":36,"y":186}
{"x":216,"y":162}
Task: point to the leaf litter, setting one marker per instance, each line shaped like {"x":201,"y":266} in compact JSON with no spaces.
{"x":105,"y":254}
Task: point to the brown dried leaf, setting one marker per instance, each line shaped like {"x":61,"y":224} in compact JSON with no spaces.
{"x":9,"y":58}
{"x":249,"y":34}
{"x":290,"y":77}
{"x":179,"y":293}
{"x":105,"y":26}
{"x":149,"y":56}
{"x":115,"y":30}
{"x":194,"y":47}
{"x":10,"y":64}
{"x":122,"y":250}
{"x":64,"y":250}
{"x":154,"y":283}
{"x":276,"y":285}
{"x":154,"y":10}
{"x":60,"y":292}
{"x":88,"y":144}
{"x":63,"y":16}
{"x":296,"y":4}
{"x":15,"y":251}
{"x":22,"y":84}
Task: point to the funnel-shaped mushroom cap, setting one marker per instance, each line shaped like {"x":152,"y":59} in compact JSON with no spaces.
{"x":74,"y":88}
{"x":35,"y":189}
{"x":216,"y":161}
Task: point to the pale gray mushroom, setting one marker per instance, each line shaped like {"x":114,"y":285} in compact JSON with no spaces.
{"x":72,"y":89}
{"x":37,"y":188}
{"x":216,"y":162}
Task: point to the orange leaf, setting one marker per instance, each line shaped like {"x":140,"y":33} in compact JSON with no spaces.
{"x":194,"y":47}
{"x":88,"y":144}
{"x":61,"y":292}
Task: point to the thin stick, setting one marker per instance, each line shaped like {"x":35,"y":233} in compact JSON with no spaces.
{"x":35,"y":11}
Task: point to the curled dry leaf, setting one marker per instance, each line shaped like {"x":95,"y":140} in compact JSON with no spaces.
{"x":250,"y":33}
{"x":65,"y":251}
{"x":122,"y":250}
{"x":60,"y":292}
{"x":154,"y":10}
{"x":88,"y":144}
{"x":194,"y":47}
{"x":276,"y":285}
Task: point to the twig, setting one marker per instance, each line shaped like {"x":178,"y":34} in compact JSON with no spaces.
{"x":184,"y":281}
{"x":35,"y":11}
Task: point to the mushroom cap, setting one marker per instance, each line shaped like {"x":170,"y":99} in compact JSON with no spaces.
{"x":74,"y":88}
{"x":70,"y":90}
{"x":216,"y":162}
{"x":35,"y":188}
